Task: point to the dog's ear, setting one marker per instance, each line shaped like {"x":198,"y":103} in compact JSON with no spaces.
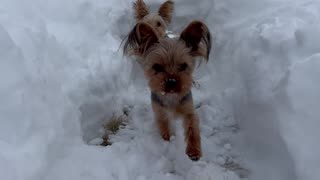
{"x":140,"y":39}
{"x":140,"y":10}
{"x":197,"y":37}
{"x":166,"y":11}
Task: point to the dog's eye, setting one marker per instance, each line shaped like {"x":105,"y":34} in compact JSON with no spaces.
{"x":183,"y":67}
{"x":158,"y":23}
{"x":158,"y":68}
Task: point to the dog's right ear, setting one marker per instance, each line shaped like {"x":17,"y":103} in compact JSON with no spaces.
{"x":140,"y":39}
{"x":140,"y":10}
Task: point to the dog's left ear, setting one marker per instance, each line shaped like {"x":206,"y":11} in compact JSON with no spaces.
{"x":140,"y":10}
{"x":166,"y":10}
{"x":140,"y":39}
{"x":197,"y":37}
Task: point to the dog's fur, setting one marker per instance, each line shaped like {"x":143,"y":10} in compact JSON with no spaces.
{"x":159,"y":21}
{"x":168,"y":65}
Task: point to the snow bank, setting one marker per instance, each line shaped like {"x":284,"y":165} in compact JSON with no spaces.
{"x":258,"y":61}
{"x":62,"y":77}
{"x":300,"y":130}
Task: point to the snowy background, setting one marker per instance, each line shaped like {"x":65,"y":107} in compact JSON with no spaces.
{"x":62,"y":77}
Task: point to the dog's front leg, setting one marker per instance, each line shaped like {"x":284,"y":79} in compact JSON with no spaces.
{"x":192,"y":136}
{"x":162,"y":121}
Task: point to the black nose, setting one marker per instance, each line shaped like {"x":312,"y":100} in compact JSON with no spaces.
{"x":171,"y":83}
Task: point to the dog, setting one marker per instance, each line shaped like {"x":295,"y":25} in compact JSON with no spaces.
{"x":159,"y":21}
{"x":168,"y":65}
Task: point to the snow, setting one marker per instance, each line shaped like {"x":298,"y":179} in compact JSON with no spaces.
{"x":62,"y":76}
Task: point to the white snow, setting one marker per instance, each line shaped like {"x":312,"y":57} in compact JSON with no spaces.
{"x":62,"y":76}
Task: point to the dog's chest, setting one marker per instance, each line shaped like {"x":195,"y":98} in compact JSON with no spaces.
{"x":170,"y":100}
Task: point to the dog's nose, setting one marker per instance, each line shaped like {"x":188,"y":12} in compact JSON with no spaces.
{"x":171,"y":83}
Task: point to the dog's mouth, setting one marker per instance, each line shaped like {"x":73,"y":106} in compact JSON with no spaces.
{"x":171,"y":86}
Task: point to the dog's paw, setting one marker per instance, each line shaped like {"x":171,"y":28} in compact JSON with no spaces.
{"x":194,"y":153}
{"x":166,"y":136}
{"x":194,"y":158}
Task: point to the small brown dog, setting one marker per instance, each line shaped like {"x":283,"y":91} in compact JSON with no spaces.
{"x":159,"y":21}
{"x":168,"y":65}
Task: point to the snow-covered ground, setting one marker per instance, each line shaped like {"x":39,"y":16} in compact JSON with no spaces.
{"x":62,"y":76}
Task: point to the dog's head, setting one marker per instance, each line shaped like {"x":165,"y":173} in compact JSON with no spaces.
{"x":169,"y":63}
{"x":159,"y":21}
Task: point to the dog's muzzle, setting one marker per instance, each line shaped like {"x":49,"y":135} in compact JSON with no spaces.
{"x":171,"y":83}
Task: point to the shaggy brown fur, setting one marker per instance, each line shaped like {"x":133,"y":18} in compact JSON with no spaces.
{"x":159,"y":21}
{"x":168,"y":65}
{"x":166,"y":10}
{"x":140,"y":9}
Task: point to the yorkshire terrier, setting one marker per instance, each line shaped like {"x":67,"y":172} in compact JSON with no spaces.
{"x":159,"y":21}
{"x":168,"y":64}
